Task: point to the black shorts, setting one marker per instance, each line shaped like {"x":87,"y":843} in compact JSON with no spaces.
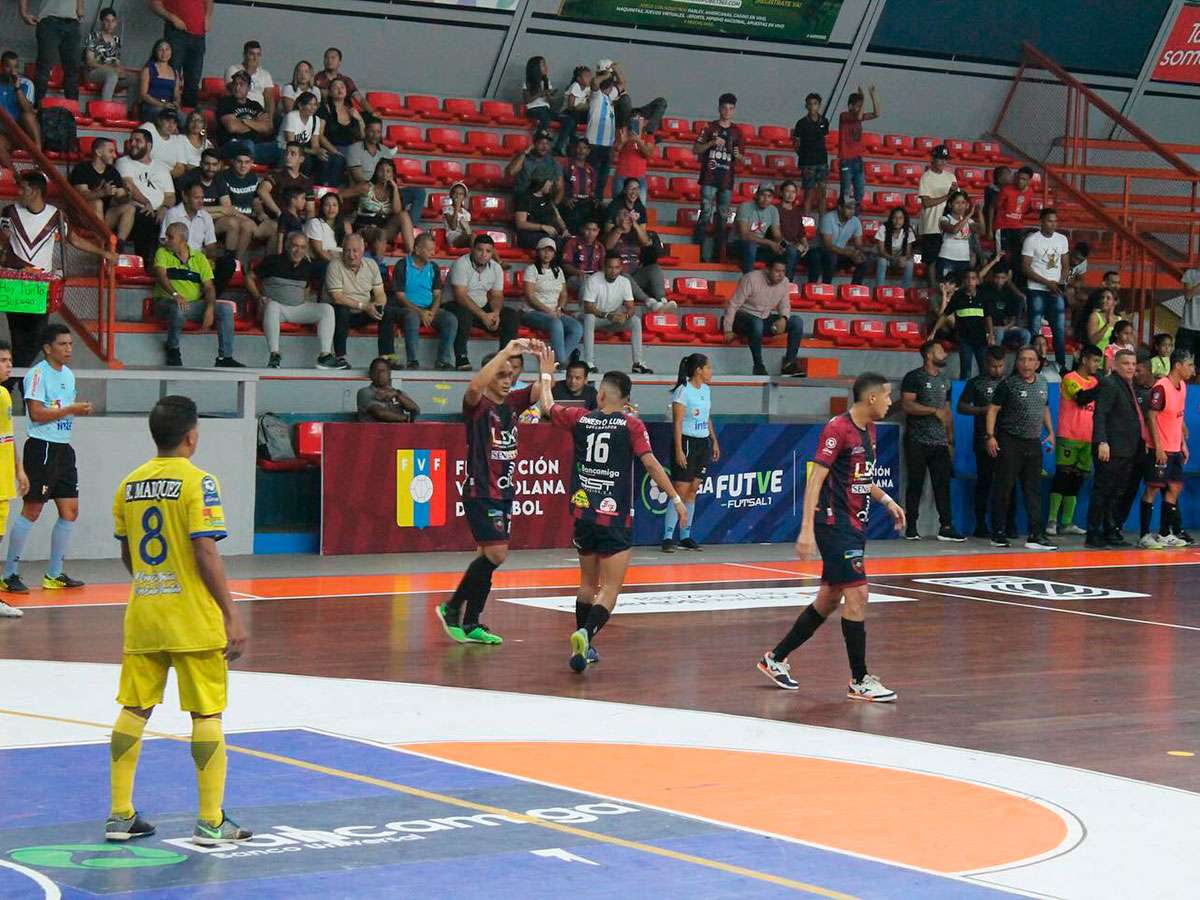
{"x":698,"y":451}
{"x":592,"y":538}
{"x":51,"y":470}
{"x":930,"y":246}
{"x":1160,"y":476}
{"x":490,"y":521}
{"x":842,"y":552}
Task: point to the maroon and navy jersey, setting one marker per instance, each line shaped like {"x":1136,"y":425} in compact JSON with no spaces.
{"x":492,"y":444}
{"x":849,"y":453}
{"x":717,"y":163}
{"x":606,"y":444}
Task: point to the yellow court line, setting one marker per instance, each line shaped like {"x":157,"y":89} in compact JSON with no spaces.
{"x":719,"y":866}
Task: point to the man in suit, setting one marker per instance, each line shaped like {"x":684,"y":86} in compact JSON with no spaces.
{"x":1117,"y":433}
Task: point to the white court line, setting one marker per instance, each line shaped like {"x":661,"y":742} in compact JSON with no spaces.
{"x":768,"y":569}
{"x":1071,"y":612}
{"x":49,"y":889}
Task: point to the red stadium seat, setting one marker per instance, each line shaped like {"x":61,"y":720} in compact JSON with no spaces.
{"x":425,"y":106}
{"x":71,"y":106}
{"x":779,"y":164}
{"x":882,"y":201}
{"x":897,"y":144}
{"x":916,"y":300}
{"x":775,"y":136}
{"x":680,"y":158}
{"x":686,"y":188}
{"x":854,"y":295}
{"x":698,"y":125}
{"x":705,"y":326}
{"x":111,"y":113}
{"x":872,"y":142}
{"x":923,"y":146}
{"x":816,"y":295}
{"x":958,"y":149}
{"x":211,"y":88}
{"x":836,"y":331}
{"x":485,"y":143}
{"x":912,"y":203}
{"x":131,"y":270}
{"x":878,"y":172}
{"x":907,"y":174}
{"x":484,"y":175}
{"x":873,"y":333}
{"x":385,"y":103}
{"x":309,"y":441}
{"x":985,"y":151}
{"x":686,"y":217}
{"x":870,"y":228}
{"x":515,"y":143}
{"x":909,"y":334}
{"x":464,"y":110}
{"x":675,"y":127}
{"x":665,"y":327}
{"x":85,"y":144}
{"x":448,"y":140}
{"x":499,"y":112}
{"x":408,"y":137}
{"x":446,"y":171}
{"x":514,"y":286}
{"x":752,"y":163}
{"x":659,"y":189}
{"x":971,"y":177}
{"x":692,"y":288}
{"x":56,"y":75}
{"x":409,"y":171}
{"x":890,"y":296}
{"x":489,"y":208}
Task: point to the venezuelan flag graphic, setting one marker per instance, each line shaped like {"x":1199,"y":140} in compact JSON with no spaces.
{"x":420,"y":488}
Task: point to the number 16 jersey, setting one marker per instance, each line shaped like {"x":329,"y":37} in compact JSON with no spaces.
{"x":606,"y":445}
{"x":158,"y":509}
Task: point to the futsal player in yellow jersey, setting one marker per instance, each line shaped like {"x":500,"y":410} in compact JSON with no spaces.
{"x":13,"y":482}
{"x":167,"y":515}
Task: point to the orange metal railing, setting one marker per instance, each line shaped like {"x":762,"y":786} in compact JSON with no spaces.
{"x":89,"y":301}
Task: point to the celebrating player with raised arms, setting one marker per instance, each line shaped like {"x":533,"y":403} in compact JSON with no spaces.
{"x":607,"y":441}
{"x":837,"y":505}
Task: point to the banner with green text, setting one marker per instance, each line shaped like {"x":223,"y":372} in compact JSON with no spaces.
{"x":773,"y":20}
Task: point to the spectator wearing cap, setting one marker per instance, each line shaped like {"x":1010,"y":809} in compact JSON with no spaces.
{"x":537,"y":216}
{"x":537,"y":93}
{"x":719,"y":147}
{"x":602,"y":123}
{"x":934,"y":189}
{"x":839,"y":241}
{"x":761,"y":305}
{"x":574,"y":108}
{"x":579,"y":187}
{"x":262,"y":85}
{"x":243,"y":124}
{"x":535,"y":161}
{"x":851,"y":148}
{"x":167,"y":144}
{"x":757,"y":228}
{"x":546,"y":301}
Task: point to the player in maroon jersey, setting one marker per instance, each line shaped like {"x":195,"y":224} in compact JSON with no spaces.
{"x":607,"y":441}
{"x":837,"y":504}
{"x":490,"y":411}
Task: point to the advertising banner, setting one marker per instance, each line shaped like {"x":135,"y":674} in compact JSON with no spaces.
{"x":773,"y":20}
{"x":1179,"y":60}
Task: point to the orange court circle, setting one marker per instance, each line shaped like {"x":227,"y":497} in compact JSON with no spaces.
{"x":929,"y":821}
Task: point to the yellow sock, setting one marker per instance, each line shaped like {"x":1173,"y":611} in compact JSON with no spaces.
{"x":208,"y":752}
{"x":125,"y":747}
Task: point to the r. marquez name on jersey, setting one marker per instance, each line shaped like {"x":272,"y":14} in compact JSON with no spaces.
{"x":154,"y":489}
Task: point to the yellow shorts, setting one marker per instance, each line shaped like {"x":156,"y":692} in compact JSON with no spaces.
{"x":202,"y":677}
{"x":4,"y":505}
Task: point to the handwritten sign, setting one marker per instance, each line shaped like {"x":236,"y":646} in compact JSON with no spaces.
{"x":20,"y":295}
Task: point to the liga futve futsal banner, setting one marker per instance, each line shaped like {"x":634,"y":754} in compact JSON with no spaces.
{"x":780,"y":20}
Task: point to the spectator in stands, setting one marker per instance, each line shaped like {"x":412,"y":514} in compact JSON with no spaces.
{"x":602,"y":124}
{"x":57,"y":28}
{"x":851,"y":148}
{"x":381,"y":204}
{"x":201,"y":234}
{"x":537,"y":92}
{"x":976,"y":395}
{"x":102,"y":57}
{"x":304,"y":127}
{"x":160,"y":86}
{"x":327,"y":230}
{"x":933,"y":191}
{"x":652,"y":112}
{"x":474,"y":295}
{"x":958,"y":227}
{"x":237,"y":229}
{"x":302,"y":82}
{"x":343,"y":128}
{"x":1001,"y":176}
{"x":184,"y":292}
{"x":574,"y":387}
{"x":1163,"y":346}
{"x":535,"y":161}
{"x":32,"y":228}
{"x":719,"y":147}
{"x":1003,"y":306}
{"x":1016,"y":416}
{"x":1014,"y":201}
{"x":281,"y":285}
{"x":100,"y":183}
{"x":1123,"y":338}
{"x":839,"y":240}
{"x":1102,"y":319}
{"x":607,"y":301}
{"x":896,"y":245}
{"x":1118,"y":427}
{"x":546,"y":301}
{"x":966,"y":307}
{"x":574,"y":108}
{"x":537,"y":217}
{"x":380,"y":402}
{"x":638,"y":249}
{"x":262,"y":85}
{"x":1043,"y":257}
{"x":628,"y":201}
{"x":578,"y":187}
{"x":417,"y":291}
{"x":16,"y":104}
{"x":583,"y":255}
{"x":243,"y":124}
{"x":166,"y":143}
{"x":289,"y":174}
{"x":1187,"y":335}
{"x":186,"y":24}
{"x":635,"y":149}
{"x":354,"y":285}
{"x":293,"y":213}
{"x":761,"y":305}
{"x":194,"y":141}
{"x":757,"y":228}
{"x":378,"y":249}
{"x":332,"y":71}
{"x":243,"y":183}
{"x":808,"y":137}
{"x":792,"y":229}
{"x":456,"y":217}
{"x":151,"y":188}
{"x":928,"y":440}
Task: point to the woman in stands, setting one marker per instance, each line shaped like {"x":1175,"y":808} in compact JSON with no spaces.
{"x":896,"y":244}
{"x":302,"y":82}
{"x":694,"y":445}
{"x":325,"y":231}
{"x":456,"y":217}
{"x":1102,"y":319}
{"x":196,"y":135}
{"x":537,"y":216}
{"x":305,"y":127}
{"x":957,"y":228}
{"x":538,"y":93}
{"x":160,"y":84}
{"x":381,"y":205}
{"x":343,"y":126}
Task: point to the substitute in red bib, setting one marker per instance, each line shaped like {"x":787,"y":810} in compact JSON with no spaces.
{"x":837,"y":505}
{"x":607,"y":441}
{"x":1167,"y":453}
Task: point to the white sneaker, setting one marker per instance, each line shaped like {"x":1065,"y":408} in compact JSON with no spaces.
{"x":870,"y":689}
{"x":10,"y":612}
{"x":1172,"y":542}
{"x":1039,"y":543}
{"x":1052,"y":529}
{"x":1072,"y":528}
{"x":778,"y":672}
{"x":1151,"y":542}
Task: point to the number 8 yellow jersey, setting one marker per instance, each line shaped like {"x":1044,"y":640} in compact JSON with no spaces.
{"x":158,"y":509}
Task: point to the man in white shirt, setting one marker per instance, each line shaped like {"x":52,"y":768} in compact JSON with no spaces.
{"x":934,"y":189}
{"x":1187,"y":336}
{"x":607,"y":298}
{"x":150,"y":185}
{"x":32,"y":228}
{"x":1044,"y":262}
{"x":474,"y":295}
{"x":202,"y":233}
{"x":262,"y":86}
{"x":167,"y":145}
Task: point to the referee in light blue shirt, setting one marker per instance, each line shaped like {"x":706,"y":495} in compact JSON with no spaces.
{"x":694,"y":446}
{"x":49,"y":459}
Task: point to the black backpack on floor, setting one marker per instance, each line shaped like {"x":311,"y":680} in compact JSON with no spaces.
{"x":58,"y":130}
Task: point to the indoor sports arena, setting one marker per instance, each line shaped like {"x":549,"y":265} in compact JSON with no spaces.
{"x":698,"y":449}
